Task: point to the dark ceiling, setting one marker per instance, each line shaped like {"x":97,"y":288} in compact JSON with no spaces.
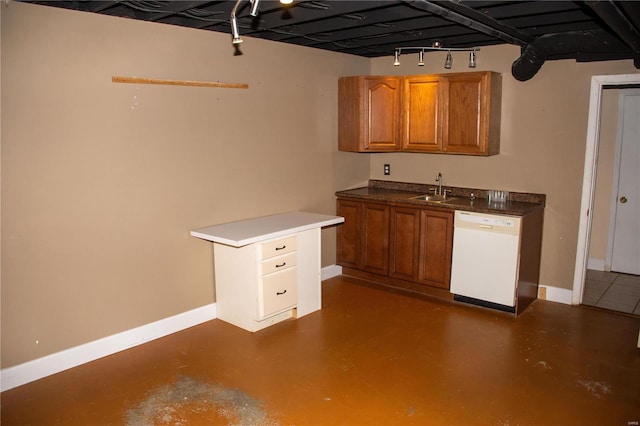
{"x":545,"y":30}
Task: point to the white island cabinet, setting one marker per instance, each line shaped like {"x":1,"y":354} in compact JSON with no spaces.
{"x":267,"y":269}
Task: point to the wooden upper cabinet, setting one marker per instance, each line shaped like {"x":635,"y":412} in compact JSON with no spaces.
{"x":369,"y":113}
{"x":471,"y":113}
{"x":422,"y":113}
{"x":457,"y":113}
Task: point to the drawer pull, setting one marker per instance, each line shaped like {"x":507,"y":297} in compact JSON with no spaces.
{"x":279,"y":293}
{"x":281,"y":265}
{"x":281,"y":248}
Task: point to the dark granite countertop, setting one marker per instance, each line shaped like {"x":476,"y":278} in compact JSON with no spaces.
{"x":518,"y":203}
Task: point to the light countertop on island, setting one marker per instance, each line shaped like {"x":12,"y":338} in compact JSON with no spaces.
{"x":249,"y":231}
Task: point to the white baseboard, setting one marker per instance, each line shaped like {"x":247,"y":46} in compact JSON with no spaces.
{"x":330,"y":272}
{"x":596,"y":264}
{"x":556,"y":294}
{"x":30,"y":371}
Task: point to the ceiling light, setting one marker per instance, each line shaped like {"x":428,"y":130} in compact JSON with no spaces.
{"x":436,"y":46}
{"x":449,"y":61}
{"x":253,"y":12}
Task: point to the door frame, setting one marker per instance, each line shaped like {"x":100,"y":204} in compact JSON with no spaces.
{"x":598,"y":83}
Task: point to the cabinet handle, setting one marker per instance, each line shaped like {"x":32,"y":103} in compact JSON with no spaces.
{"x":281,"y":248}
{"x":278,"y":293}
{"x":281,"y":265}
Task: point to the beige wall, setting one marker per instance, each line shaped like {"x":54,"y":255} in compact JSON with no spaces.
{"x":101,"y":182}
{"x":543,"y":139}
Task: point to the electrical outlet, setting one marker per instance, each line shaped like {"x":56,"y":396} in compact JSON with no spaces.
{"x":542,"y":293}
{"x":387,"y":169}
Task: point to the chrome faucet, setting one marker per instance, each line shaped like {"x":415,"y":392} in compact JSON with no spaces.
{"x":439,"y":180}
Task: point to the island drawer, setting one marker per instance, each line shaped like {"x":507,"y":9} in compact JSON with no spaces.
{"x":277,"y":247}
{"x":278,"y":291}
{"x":276,"y":264}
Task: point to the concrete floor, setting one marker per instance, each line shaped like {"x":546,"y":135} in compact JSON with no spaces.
{"x":370,"y":356}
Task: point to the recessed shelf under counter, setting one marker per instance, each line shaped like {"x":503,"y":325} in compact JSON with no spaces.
{"x":267,"y":269}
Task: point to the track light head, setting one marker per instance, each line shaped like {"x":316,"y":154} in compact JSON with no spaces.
{"x":235,"y":34}
{"x":396,"y":61}
{"x":472,"y":59}
{"x":449,"y":61}
{"x":254,"y":8}
{"x":421,"y":58}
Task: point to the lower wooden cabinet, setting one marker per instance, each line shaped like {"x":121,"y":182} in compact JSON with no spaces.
{"x":404,"y":235}
{"x":436,"y":246}
{"x":348,"y":250}
{"x":375,"y":238}
{"x":363,"y":238}
{"x":406,"y":244}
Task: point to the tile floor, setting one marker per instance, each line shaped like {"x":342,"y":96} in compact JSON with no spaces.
{"x":612,"y":290}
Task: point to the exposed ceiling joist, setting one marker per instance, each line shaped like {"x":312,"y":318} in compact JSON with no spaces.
{"x":545,"y":30}
{"x":615,"y":18}
{"x":476,"y":20}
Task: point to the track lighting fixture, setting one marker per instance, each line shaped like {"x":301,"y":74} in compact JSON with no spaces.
{"x":436,"y":47}
{"x":253,"y":11}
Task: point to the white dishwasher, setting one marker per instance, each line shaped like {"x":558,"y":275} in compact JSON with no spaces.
{"x":484,"y":265}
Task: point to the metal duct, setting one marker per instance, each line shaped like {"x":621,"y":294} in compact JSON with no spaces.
{"x":534,"y":54}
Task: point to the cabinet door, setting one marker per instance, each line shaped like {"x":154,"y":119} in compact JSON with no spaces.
{"x":471,"y":113}
{"x":348,"y":251}
{"x":422,"y":113}
{"x":382,"y":113}
{"x":375,"y":238}
{"x":436,"y":243}
{"x":404,"y":236}
{"x":369,"y":112}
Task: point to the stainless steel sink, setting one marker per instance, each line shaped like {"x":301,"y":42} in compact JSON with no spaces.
{"x":434,"y":198}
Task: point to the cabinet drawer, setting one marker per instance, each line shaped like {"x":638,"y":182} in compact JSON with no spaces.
{"x":279,"y":263}
{"x":277,"y":247}
{"x":278,"y":291}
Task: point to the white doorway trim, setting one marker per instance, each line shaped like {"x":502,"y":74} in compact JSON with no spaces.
{"x":598,"y":82}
